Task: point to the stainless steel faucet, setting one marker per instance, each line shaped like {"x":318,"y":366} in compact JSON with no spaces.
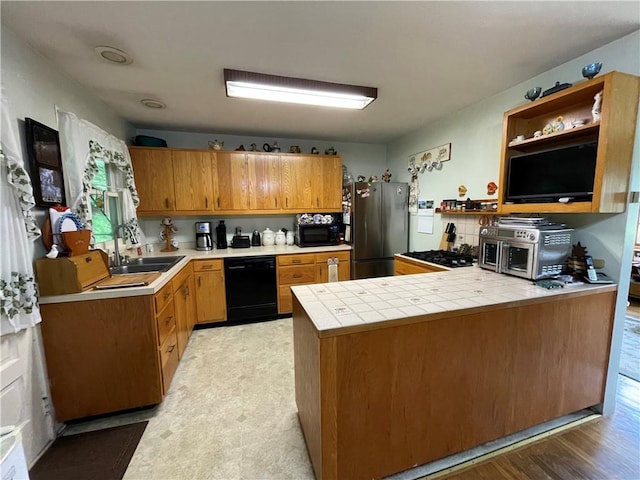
{"x":117,"y":261}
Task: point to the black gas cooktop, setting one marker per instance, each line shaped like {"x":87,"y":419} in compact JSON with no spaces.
{"x":443,"y":257}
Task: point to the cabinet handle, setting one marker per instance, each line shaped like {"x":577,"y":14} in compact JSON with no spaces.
{"x":166,"y":295}
{"x":297,"y":275}
{"x":168,"y":320}
{"x":317,"y":202}
{"x":199,"y":282}
{"x":166,"y":202}
{"x":287,"y":202}
{"x":170,"y":349}
{"x":276,"y":203}
{"x":297,"y":260}
{"x":218,"y":202}
{"x":206,"y":202}
{"x":206,"y":267}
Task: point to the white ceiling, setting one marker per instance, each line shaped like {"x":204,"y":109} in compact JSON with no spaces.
{"x":427,"y":59}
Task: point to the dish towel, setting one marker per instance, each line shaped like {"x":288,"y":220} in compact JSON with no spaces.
{"x":332,"y":263}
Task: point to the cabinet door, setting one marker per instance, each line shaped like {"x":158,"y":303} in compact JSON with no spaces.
{"x":153,"y":173}
{"x":181,"y":306}
{"x":193,"y":179}
{"x":327,"y":182}
{"x":322,"y":268}
{"x":264,"y":181}
{"x":297,"y":193}
{"x":210,"y":298}
{"x":230,"y":182}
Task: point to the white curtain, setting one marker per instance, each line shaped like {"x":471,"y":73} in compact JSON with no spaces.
{"x":18,"y":301}
{"x":81,"y":144}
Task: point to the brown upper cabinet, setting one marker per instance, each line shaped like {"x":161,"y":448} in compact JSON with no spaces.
{"x":193,"y":182}
{"x":614,"y":132}
{"x":311,"y":182}
{"x":153,"y":172}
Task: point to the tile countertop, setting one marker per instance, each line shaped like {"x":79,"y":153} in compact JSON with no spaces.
{"x":360,"y":305}
{"x":189,"y":254}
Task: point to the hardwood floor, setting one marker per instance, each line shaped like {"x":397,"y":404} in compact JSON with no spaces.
{"x":602,"y":449}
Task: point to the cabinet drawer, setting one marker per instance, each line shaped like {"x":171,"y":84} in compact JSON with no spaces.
{"x":169,"y":359}
{"x":207,"y":265}
{"x":166,"y":321}
{"x":295,"y":275}
{"x":163,"y":297}
{"x":341,"y":256}
{"x":303,"y":259}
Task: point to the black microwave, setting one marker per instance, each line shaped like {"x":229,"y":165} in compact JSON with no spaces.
{"x":317,"y":235}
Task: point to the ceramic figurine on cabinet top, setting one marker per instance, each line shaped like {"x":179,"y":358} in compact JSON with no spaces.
{"x":597,"y":106}
{"x":216,"y":144}
{"x":314,"y":151}
{"x":386,"y":176}
{"x":591,"y":70}
{"x":330,"y":151}
{"x":253,"y":147}
{"x":533,"y":93}
{"x":275,"y":147}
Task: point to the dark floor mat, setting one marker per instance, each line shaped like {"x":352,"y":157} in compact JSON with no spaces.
{"x":98,"y":455}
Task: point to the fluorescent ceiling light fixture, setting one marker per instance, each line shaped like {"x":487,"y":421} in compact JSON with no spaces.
{"x":274,"y":88}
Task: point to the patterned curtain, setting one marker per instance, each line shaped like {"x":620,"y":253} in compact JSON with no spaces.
{"x":18,"y":292}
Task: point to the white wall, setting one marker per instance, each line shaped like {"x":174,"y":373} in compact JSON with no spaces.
{"x":475,"y":135}
{"x":33,"y":87}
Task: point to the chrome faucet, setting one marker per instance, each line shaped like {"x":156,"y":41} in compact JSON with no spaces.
{"x":117,"y":261}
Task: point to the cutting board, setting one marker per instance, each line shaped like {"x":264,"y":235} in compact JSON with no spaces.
{"x":127,"y":280}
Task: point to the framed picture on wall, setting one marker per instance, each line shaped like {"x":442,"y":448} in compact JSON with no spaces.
{"x":43,"y":148}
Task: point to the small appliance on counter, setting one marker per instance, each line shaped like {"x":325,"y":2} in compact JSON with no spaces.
{"x":204,"y":240}
{"x":255,"y":239}
{"x":221,"y":235}
{"x":315,"y":230}
{"x":239,"y":240}
{"x":531,"y":248}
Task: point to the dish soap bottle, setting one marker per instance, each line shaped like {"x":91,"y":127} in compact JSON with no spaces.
{"x":221,"y":235}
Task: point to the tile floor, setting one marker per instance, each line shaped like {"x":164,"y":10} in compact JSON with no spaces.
{"x":230,"y":412}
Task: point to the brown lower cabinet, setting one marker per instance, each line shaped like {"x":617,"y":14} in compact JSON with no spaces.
{"x":209,"y":287}
{"x":114,"y":354}
{"x":306,"y":268}
{"x":104,"y":355}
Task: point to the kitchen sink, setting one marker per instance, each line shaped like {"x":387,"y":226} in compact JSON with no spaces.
{"x":144,"y":265}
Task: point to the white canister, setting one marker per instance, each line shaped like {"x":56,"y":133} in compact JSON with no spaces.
{"x":290,"y":238}
{"x":280,"y":238}
{"x":268,"y":238}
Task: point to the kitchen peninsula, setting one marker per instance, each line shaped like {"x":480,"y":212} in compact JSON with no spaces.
{"x":395,"y":372}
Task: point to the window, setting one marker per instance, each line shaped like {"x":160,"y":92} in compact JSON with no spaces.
{"x":105,"y":201}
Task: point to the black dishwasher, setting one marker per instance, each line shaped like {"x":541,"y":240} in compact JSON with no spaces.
{"x":250,"y":287}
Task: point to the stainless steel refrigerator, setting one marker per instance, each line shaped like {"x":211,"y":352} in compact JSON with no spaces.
{"x":376,"y":222}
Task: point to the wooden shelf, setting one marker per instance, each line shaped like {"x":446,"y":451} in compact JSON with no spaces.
{"x":537,"y":142}
{"x":468,"y":212}
{"x":614,"y":133}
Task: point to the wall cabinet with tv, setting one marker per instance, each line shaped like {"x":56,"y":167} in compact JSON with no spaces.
{"x":543,"y":188}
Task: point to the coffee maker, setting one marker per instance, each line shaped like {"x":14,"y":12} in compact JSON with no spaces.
{"x":204,"y":241}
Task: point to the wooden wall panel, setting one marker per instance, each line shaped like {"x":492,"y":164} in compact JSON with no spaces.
{"x":102,"y":355}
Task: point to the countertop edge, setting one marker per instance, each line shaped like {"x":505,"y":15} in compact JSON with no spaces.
{"x":189,"y":254}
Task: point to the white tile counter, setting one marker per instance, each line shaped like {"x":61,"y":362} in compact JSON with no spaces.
{"x":189,"y":254}
{"x":343,"y":307}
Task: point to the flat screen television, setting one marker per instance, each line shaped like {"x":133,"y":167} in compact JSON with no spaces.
{"x":45,"y":162}
{"x":551,"y":175}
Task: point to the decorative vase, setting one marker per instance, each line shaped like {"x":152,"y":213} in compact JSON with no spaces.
{"x":591,"y":70}
{"x":533,"y":93}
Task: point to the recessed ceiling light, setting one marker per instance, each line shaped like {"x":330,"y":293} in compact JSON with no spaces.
{"x":152,"y":103}
{"x":275,"y":88}
{"x":113,"y":55}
